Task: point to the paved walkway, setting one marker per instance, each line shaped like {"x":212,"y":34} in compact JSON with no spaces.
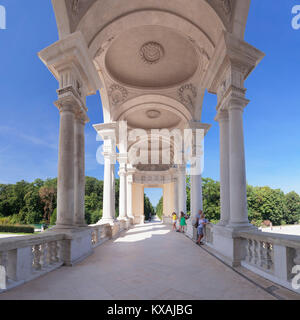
{"x":147,"y":262}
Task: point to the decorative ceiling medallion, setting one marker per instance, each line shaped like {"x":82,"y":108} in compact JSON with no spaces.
{"x":152,"y":52}
{"x":187,"y":94}
{"x":153,"y":114}
{"x":117,"y":94}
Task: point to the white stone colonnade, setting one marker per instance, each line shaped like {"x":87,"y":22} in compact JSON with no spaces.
{"x":143,"y":82}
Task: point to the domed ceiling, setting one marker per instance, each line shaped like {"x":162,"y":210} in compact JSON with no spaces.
{"x":151,"y":57}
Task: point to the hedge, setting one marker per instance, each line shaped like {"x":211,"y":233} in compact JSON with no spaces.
{"x":16,"y":229}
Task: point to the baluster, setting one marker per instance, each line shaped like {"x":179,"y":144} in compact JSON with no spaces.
{"x":269,"y":256}
{"x":93,"y":237}
{"x":44,"y":255}
{"x":263,"y":254}
{"x":37,"y":253}
{"x":98,"y":235}
{"x":54,"y":252}
{"x":3,"y":269}
{"x":249,"y":255}
{"x":255,"y":252}
{"x":297,"y":257}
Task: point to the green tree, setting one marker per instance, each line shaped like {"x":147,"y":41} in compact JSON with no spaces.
{"x":148,"y":208}
{"x":293,"y":208}
{"x":159,"y":208}
{"x":211,"y":198}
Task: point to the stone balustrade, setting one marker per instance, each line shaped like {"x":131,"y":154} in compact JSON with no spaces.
{"x":100,"y":234}
{"x":270,"y":255}
{"x":25,"y":258}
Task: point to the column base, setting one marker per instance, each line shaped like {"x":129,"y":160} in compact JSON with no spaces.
{"x":139,"y":220}
{"x":124,"y":223}
{"x":61,"y":227}
{"x":191,"y":231}
{"x":240,"y":226}
{"x":227,"y":244}
{"x":110,"y":221}
{"x":76,"y":245}
{"x":167,"y":220}
{"x":83,"y":225}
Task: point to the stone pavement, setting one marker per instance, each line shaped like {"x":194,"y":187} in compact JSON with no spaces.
{"x":146,"y":262}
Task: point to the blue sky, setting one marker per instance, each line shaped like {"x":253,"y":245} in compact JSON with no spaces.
{"x":29,"y":122}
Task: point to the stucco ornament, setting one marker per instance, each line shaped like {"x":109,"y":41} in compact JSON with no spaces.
{"x":152,"y":52}
{"x":226,"y":6}
{"x":153,"y":114}
{"x":187,"y":94}
{"x":75,"y":6}
{"x":117,"y":93}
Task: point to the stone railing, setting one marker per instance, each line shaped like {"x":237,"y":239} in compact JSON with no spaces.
{"x":272,"y":256}
{"x":100,"y":234}
{"x":208,"y":234}
{"x":25,"y":258}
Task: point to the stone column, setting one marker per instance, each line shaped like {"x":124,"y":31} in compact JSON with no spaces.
{"x":65,"y":180}
{"x":113,"y":193}
{"x":108,"y":214}
{"x":109,"y":176}
{"x":123,"y":192}
{"x":223,"y":119}
{"x":181,"y":189}
{"x":238,"y":193}
{"x":196,"y":194}
{"x":79,"y":171}
{"x":176,"y":206}
{"x":129,"y":196}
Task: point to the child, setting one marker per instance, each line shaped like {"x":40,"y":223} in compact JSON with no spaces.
{"x":174,"y":219}
{"x":201,"y":223}
{"x":182,"y":222}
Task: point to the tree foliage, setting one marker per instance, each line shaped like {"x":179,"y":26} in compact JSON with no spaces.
{"x":36,"y":202}
{"x":148,"y":208}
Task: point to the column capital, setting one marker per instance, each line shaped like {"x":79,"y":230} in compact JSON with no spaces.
{"x":233,"y":61}
{"x":233,"y":99}
{"x":122,"y":171}
{"x":69,"y":61}
{"x":222,"y":115}
{"x":68,"y":103}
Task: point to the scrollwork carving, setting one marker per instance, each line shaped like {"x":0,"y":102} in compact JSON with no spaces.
{"x":117,"y":94}
{"x":187,"y":95}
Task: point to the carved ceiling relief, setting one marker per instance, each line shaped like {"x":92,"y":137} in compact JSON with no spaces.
{"x":152,"y":52}
{"x":187,"y":95}
{"x":117,"y":94}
